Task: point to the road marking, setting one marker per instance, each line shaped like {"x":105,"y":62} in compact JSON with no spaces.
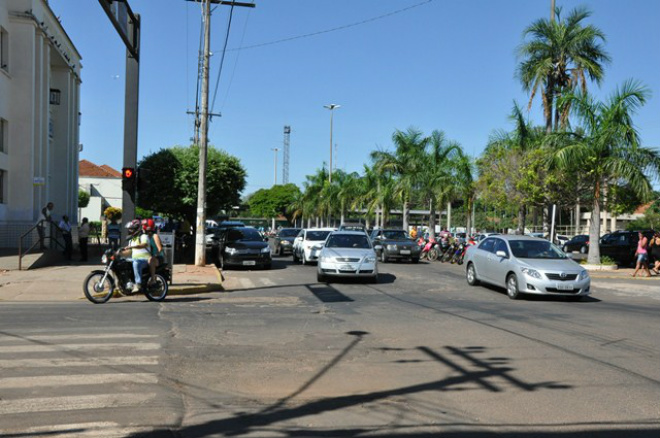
{"x":27,"y":338}
{"x":60,"y":404}
{"x":77,"y":347}
{"x":246,"y":283}
{"x":86,"y":362}
{"x":76,"y":379}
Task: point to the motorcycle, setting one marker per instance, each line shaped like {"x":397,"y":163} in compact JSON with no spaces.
{"x":429,"y":251}
{"x":100,"y":285}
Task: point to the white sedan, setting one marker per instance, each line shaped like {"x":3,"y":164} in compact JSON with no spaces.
{"x":308,"y":244}
{"x":348,"y":254}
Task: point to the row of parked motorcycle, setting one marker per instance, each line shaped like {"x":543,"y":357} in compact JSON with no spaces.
{"x":443,"y":250}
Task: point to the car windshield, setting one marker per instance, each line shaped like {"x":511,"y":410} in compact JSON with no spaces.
{"x":395,"y":234}
{"x":244,"y":234}
{"x":535,"y":249}
{"x":317,"y":235}
{"x":348,"y":241}
{"x":289,"y":233}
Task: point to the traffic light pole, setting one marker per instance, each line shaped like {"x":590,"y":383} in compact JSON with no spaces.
{"x":130,"y":134}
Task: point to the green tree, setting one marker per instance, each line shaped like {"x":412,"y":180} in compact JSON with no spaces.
{"x":558,"y":58}
{"x":275,"y":201}
{"x":608,"y":147}
{"x":83,"y":199}
{"x":169,"y":181}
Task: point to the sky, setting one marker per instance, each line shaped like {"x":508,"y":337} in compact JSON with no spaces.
{"x":391,"y":64}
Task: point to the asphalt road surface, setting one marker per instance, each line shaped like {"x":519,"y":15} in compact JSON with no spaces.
{"x":420,"y":354}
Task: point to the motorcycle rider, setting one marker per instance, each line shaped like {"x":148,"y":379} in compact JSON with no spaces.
{"x":156,"y":254}
{"x":139,"y":246}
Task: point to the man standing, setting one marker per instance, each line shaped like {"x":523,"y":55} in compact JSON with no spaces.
{"x":65,"y":226}
{"x":83,"y":237}
{"x":44,"y":228}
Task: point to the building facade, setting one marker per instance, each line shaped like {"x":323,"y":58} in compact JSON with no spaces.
{"x":39,"y":117}
{"x":103,"y":183}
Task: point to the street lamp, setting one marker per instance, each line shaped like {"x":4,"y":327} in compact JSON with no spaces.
{"x":331,"y":107}
{"x":276,"y":150}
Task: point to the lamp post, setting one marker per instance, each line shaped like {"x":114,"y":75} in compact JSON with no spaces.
{"x":276,"y":150}
{"x":331,"y":107}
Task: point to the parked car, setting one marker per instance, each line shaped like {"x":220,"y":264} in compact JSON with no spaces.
{"x":308,"y":244}
{"x":578,"y":243}
{"x":395,"y":244}
{"x":347,"y":254}
{"x":622,"y":245}
{"x":525,"y":265}
{"x":284,"y":238}
{"x":230,"y":224}
{"x":482,"y":236}
{"x":242,"y":246}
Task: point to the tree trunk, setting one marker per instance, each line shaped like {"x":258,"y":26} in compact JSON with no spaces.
{"x":405,"y":215}
{"x":431,"y":220}
{"x":522,"y":218}
{"x":469,"y":216}
{"x":594,"y":229}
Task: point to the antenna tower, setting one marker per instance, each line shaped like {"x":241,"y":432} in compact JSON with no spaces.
{"x":285,"y":160}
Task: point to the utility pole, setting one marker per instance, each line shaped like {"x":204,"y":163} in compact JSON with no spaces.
{"x":200,"y":229}
{"x":285,"y":154}
{"x":552,"y":10}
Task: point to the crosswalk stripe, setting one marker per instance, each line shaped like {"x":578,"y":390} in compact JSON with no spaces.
{"x":75,"y":379}
{"x":74,"y":403}
{"x":77,"y":347}
{"x":71,"y":337}
{"x":106,"y":429}
{"x":92,"y":361}
{"x":246,"y":283}
{"x":267,"y":282}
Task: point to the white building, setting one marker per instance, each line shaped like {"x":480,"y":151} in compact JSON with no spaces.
{"x":103,"y":183}
{"x":39,"y":117}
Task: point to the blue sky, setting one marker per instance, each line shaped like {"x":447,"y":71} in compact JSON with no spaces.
{"x":446,"y":65}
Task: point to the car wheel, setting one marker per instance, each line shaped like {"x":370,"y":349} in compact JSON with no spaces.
{"x":565,"y":249}
{"x":383,"y":257}
{"x":304,"y":259}
{"x":583,"y":249}
{"x":471,"y":275}
{"x":512,"y":287}
{"x":320,"y":277}
{"x":280,"y":251}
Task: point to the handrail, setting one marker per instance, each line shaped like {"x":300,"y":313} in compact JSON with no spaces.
{"x":42,"y":239}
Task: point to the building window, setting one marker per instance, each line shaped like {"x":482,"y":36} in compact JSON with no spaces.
{"x":3,"y":135}
{"x":4,"y":48}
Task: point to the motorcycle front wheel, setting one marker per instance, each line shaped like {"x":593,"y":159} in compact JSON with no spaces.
{"x":96,"y":291}
{"x":157,"y":291}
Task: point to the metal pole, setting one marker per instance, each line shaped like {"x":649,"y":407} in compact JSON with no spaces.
{"x":330,"y":167}
{"x":552,"y":10}
{"x":200,"y":231}
{"x":275,"y":169}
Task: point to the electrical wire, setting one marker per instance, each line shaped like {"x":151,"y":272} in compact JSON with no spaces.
{"x":238,"y":55}
{"x":222,"y":59}
{"x":334,"y":29}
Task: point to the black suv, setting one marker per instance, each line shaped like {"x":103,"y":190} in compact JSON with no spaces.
{"x":395,"y":244}
{"x":621,"y":246}
{"x":577,"y":243}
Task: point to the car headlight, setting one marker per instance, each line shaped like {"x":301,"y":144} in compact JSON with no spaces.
{"x":370,"y":259}
{"x":230,"y":250}
{"x":531,"y":272}
{"x":391,"y":247}
{"x":286,"y":242}
{"x":326,"y":259}
{"x":265,"y":250}
{"x":584,"y":275}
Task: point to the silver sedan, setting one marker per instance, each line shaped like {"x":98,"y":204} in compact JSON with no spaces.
{"x":525,"y":265}
{"x":347,"y":254}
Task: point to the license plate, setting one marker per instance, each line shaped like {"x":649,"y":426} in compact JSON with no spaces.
{"x":405,"y":252}
{"x":346,"y":268}
{"x":561,"y":286}
{"x":249,"y":263}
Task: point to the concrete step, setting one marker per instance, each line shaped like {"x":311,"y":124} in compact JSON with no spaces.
{"x":34,"y":260}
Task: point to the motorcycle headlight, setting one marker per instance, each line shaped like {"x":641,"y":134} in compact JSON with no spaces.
{"x":370,"y":259}
{"x":265,"y":250}
{"x":531,"y":272}
{"x":229,"y":250}
{"x":584,"y":275}
{"x":104,"y":259}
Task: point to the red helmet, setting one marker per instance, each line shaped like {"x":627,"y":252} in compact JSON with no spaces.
{"x":148,"y":225}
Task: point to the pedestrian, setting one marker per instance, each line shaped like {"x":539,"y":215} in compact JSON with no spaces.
{"x":45,"y":221}
{"x":413,"y":233}
{"x":65,"y":226}
{"x":654,"y":250}
{"x":114,"y":234}
{"x":83,"y":237}
{"x":642,"y":255}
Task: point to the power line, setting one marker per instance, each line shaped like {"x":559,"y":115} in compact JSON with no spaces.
{"x":334,"y":29}
{"x":233,"y":71}
{"x":222,"y":60}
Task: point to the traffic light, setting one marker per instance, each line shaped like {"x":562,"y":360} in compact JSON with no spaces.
{"x":128,"y":177}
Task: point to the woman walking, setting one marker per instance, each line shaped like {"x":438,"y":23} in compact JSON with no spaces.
{"x":642,"y":255}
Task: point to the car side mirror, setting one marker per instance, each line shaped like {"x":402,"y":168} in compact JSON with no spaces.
{"x":501,"y":254}
{"x":378,"y":247}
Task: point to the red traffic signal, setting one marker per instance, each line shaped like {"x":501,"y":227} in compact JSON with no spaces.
{"x":128,"y":172}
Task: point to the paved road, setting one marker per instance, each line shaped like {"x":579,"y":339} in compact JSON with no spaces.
{"x":420,"y":354}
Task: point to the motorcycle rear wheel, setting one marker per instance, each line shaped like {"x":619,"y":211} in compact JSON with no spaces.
{"x":95,"y":291}
{"x":433,"y":254}
{"x":158,"y":290}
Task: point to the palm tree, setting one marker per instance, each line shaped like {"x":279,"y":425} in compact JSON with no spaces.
{"x":558,"y":58}
{"x":466,"y":185}
{"x":404,"y":164}
{"x":608,"y":146}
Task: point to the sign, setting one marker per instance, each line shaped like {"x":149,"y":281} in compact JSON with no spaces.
{"x":38,"y":181}
{"x":167,"y":239}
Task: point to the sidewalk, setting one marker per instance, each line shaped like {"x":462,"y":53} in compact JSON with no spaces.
{"x":65,"y":283}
